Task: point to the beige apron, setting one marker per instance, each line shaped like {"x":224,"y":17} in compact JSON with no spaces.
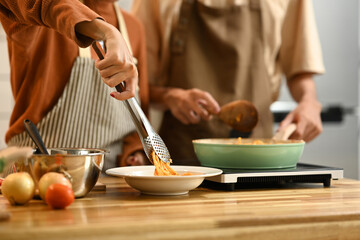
{"x":85,"y":116}
{"x":219,"y":50}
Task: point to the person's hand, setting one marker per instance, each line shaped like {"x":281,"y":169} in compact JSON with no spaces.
{"x":307,"y":118}
{"x":191,"y":106}
{"x":137,"y":159}
{"x":117,"y":65}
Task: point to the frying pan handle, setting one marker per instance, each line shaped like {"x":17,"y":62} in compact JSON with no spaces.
{"x":120,"y":87}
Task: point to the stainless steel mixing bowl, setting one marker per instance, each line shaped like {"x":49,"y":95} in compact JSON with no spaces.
{"x":81,"y":166}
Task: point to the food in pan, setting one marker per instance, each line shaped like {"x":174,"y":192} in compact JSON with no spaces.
{"x":249,"y":141}
{"x":253,"y":142}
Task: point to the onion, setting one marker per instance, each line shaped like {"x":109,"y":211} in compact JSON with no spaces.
{"x":50,"y":178}
{"x":18,"y":188}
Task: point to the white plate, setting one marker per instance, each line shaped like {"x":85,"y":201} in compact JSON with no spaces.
{"x":142,"y":179}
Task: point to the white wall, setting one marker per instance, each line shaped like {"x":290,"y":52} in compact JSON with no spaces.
{"x":338,"y":27}
{"x":125,"y":4}
{"x":6,"y":102}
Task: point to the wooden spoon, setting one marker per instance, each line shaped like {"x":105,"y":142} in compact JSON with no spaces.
{"x":285,"y":133}
{"x":241,"y":115}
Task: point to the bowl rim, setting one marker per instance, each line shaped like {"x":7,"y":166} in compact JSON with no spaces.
{"x":97,"y":151}
{"x":282,"y":143}
{"x":128,"y":172}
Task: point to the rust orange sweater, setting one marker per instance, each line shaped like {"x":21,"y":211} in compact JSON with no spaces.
{"x":43,"y":46}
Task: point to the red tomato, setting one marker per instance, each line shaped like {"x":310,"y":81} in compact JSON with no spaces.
{"x":59,"y":196}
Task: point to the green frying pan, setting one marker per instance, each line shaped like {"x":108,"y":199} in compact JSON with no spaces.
{"x":227,"y":153}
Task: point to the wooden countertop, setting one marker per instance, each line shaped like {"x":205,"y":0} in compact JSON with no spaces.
{"x":304,"y":211}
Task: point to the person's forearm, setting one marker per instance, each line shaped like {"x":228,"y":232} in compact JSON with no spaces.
{"x":96,"y":29}
{"x":157,"y":95}
{"x":59,"y":15}
{"x":302,"y":87}
{"x":307,"y":114}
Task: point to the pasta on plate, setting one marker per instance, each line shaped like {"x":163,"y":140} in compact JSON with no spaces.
{"x":164,"y":169}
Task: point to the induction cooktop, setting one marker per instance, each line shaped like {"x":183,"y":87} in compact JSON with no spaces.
{"x":232,"y":179}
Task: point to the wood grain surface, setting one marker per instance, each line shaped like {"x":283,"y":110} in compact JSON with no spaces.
{"x":303,"y":211}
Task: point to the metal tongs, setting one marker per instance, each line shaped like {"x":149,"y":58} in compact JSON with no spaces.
{"x":150,"y":140}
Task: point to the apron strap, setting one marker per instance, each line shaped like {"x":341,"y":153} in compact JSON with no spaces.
{"x":85,"y":52}
{"x":123,"y":30}
{"x":122,"y":26}
{"x":178,"y":40}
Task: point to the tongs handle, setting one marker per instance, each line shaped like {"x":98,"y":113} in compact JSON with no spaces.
{"x":120,"y":87}
{"x":143,"y":126}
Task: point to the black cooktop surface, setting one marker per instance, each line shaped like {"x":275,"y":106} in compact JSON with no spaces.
{"x":232,"y":179}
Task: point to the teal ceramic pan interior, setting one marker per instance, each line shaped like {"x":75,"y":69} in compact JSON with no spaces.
{"x":228,"y":153}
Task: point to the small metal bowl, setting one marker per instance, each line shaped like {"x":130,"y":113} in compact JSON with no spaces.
{"x":81,"y":166}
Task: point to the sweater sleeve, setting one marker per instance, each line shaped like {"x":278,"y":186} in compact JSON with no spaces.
{"x":61,"y":15}
{"x":131,"y":144}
